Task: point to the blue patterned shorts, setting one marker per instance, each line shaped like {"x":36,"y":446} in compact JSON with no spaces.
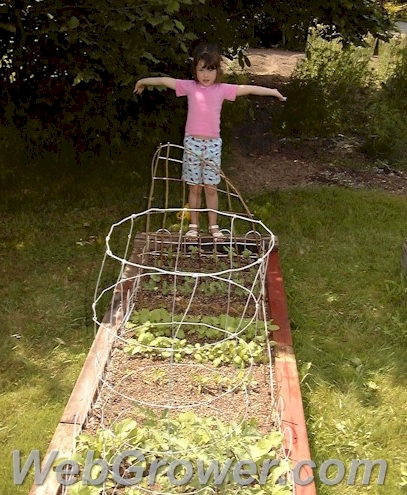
{"x":197,"y":154}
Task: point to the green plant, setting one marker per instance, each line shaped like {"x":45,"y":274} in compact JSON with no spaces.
{"x":193,"y":439}
{"x":246,"y":253}
{"x":151,"y":283}
{"x":397,"y":9}
{"x":403,"y":482}
{"x":326,"y":88}
{"x":159,"y":375}
{"x":194,"y":250}
{"x":220,"y":383}
{"x":159,"y":334}
{"x":12,"y":151}
{"x":386,"y":131}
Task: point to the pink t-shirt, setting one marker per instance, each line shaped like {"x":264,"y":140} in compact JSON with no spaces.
{"x":204,"y":105}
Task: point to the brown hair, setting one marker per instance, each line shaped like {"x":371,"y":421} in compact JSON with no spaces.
{"x":211,"y":57}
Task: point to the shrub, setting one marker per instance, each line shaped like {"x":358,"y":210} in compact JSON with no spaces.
{"x":327,"y":92}
{"x":338,"y":90}
{"x":395,"y":87}
{"x":386,"y":123}
{"x":386,"y":132}
{"x":12,"y":153}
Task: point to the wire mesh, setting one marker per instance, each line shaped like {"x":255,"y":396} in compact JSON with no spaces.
{"x":193,"y":314}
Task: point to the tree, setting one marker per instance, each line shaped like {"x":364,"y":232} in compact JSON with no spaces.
{"x":68,"y":67}
{"x":73,"y":65}
{"x":350,"y":20}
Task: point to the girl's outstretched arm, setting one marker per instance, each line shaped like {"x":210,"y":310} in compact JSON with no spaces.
{"x":243,"y":90}
{"x":168,"y":82}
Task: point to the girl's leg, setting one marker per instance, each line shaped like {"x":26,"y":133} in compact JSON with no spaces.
{"x":211,"y":177}
{"x":194,"y":198}
{"x":211,"y":197}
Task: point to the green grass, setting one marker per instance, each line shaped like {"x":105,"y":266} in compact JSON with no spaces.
{"x":340,"y":252}
{"x":51,"y":249}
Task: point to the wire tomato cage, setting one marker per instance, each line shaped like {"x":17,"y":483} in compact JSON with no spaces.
{"x":194,"y":333}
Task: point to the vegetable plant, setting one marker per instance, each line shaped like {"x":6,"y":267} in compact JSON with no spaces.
{"x":219,"y":340}
{"x":195,"y":440}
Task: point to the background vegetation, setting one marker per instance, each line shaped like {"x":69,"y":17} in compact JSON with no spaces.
{"x":75,"y":150}
{"x":352,"y":92}
{"x":68,"y":70}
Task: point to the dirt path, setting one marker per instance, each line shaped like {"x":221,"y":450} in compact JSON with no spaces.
{"x":260,"y":161}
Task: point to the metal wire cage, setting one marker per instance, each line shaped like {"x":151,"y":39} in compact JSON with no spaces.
{"x":168,"y":190}
{"x":200,"y":297}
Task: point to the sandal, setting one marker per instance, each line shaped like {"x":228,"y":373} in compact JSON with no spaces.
{"x":216,"y":233}
{"x":192,"y":231}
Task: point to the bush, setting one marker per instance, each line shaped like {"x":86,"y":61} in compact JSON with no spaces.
{"x":305,"y":113}
{"x":327,"y":91}
{"x":395,"y":87}
{"x":12,"y":154}
{"x":386,"y":123}
{"x":386,"y":133}
{"x":337,"y":90}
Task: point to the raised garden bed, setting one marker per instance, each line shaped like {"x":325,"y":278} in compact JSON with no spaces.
{"x":291,"y":420}
{"x":184,"y":361}
{"x":200,"y":344}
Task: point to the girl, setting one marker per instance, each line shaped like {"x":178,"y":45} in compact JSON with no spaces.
{"x":202,"y":131}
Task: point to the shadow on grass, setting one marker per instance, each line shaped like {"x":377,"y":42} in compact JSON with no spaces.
{"x":51,"y":248}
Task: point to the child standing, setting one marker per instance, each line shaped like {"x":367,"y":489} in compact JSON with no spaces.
{"x":202,"y":131}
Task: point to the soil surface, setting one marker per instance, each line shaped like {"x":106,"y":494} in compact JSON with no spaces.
{"x":285,"y":163}
{"x":183,"y":351}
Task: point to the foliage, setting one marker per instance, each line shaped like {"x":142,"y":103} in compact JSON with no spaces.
{"x":159,"y":437}
{"x":396,"y":9}
{"x":159,"y":334}
{"x":337,"y":90}
{"x":327,"y":90}
{"x":386,"y":123}
{"x":74,"y":65}
{"x":339,"y":251}
{"x":68,"y":69}
{"x":338,"y":20}
{"x":12,"y":151}
{"x":395,"y":88}
{"x":350,"y":21}
{"x":386,"y":132}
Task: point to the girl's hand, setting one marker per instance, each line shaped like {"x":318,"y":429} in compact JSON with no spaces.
{"x":283,"y":98}
{"x":139,"y":87}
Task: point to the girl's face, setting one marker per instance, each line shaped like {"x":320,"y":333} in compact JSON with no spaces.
{"x":204,"y":75}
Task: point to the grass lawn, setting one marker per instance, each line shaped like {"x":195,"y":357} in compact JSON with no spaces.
{"x":340,"y":252}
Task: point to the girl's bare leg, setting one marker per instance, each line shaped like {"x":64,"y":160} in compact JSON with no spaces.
{"x":194,"y":198}
{"x":211,"y":197}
